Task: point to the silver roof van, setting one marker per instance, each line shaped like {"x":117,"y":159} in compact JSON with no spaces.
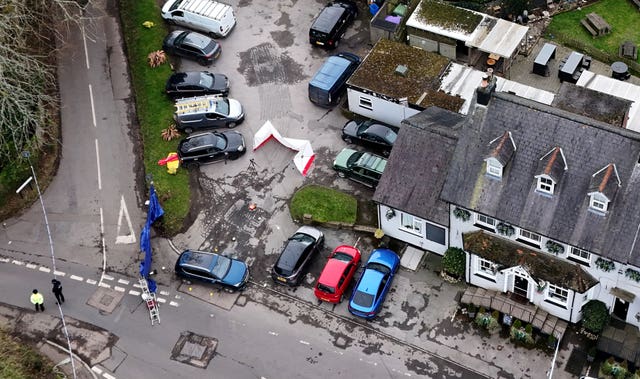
{"x":214,"y":18}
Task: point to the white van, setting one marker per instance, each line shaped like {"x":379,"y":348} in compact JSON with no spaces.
{"x":214,"y":18}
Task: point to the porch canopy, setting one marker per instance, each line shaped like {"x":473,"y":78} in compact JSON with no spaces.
{"x":499,"y":37}
{"x":545,"y":266}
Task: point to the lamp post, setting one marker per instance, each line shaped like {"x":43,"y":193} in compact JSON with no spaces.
{"x":26,"y":155}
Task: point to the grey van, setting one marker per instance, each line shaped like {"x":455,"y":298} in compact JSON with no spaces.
{"x":328,"y":84}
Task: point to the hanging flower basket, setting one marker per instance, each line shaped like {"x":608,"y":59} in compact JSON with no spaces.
{"x":461,"y":214}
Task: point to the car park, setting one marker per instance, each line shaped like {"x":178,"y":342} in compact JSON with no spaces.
{"x":212,"y":268}
{"x":374,"y":283}
{"x":337,"y":274}
{"x":196,"y":83}
{"x":208,"y":147}
{"x":371,"y":134}
{"x":193,"y":46}
{"x":329,"y":84}
{"x":211,"y":17}
{"x":360,"y":166}
{"x":207,"y":112}
{"x":331,"y":24}
{"x":296,"y":255}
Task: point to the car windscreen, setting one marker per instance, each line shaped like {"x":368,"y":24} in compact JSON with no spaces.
{"x":363,"y":299}
{"x":378,"y":267}
{"x":353,"y":158}
{"x":342,"y":257}
{"x":221,"y":267}
{"x":222,"y":107}
{"x":206,"y":81}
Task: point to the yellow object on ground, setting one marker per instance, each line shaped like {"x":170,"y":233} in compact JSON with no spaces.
{"x":172,"y":165}
{"x":148,"y":24}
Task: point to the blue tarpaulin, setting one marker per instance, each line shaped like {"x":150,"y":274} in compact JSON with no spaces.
{"x":155,"y":211}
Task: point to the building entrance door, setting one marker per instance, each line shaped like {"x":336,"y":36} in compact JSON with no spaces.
{"x":521,"y":286}
{"x":620,"y":309}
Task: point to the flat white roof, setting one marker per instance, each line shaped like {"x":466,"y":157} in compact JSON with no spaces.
{"x":461,"y":80}
{"x":492,"y":35}
{"x":616,"y":88}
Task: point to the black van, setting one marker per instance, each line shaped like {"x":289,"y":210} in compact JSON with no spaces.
{"x":328,"y":84}
{"x":332,"y":22}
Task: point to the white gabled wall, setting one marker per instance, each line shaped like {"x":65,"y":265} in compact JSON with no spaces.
{"x":392,"y":227}
{"x":377,"y":108}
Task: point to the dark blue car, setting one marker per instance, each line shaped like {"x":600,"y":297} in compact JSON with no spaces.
{"x":368,"y":295}
{"x":212,"y":268}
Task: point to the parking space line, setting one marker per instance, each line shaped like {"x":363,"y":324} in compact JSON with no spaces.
{"x":78,"y":278}
{"x":92,"y":282}
{"x":304,"y":342}
{"x":119,"y":289}
{"x":173,"y":303}
{"x":44,"y":269}
{"x":134,"y":293}
{"x":137,"y":285}
{"x":161,"y":300}
{"x":19,"y":263}
{"x":105,"y":285}
{"x":122,"y":281}
{"x":31,"y":266}
{"x":4,"y":260}
{"x":59,"y":273}
{"x":107,"y":277}
{"x":164,"y":293}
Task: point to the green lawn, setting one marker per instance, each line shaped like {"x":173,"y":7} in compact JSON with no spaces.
{"x":154,"y":109}
{"x":324,"y":204}
{"x":19,"y":361}
{"x":622,"y":15}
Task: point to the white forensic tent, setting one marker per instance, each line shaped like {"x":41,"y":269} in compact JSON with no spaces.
{"x":303,"y":159}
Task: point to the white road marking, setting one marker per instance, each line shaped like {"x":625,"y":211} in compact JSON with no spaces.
{"x":4,"y":260}
{"x":137,"y":285}
{"x":161,"y":300}
{"x":93,"y":109}
{"x":96,"y":369}
{"x":304,"y":342}
{"x":105,"y":285}
{"x":122,"y":281}
{"x":164,"y":293}
{"x":44,"y":269}
{"x":273,"y":333}
{"x":19,"y":263}
{"x":92,"y":282}
{"x":108,"y":376}
{"x":173,"y":303}
{"x":128,"y":238}
{"x":59,"y":273}
{"x":134,"y":293}
{"x":31,"y":265}
{"x":98,"y":162}
{"x":119,"y":289}
{"x":104,"y":259}
{"x":107,"y":277}
{"x":84,"y":41}
{"x":78,"y":278}
{"x":101,"y":222}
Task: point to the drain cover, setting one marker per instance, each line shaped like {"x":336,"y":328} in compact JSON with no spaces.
{"x":194,"y":349}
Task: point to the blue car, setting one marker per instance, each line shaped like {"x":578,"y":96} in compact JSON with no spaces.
{"x":368,"y":295}
{"x":212,"y":268}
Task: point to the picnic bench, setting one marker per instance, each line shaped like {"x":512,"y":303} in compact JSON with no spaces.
{"x":596,"y":25}
{"x":628,"y":50}
{"x":541,"y":64}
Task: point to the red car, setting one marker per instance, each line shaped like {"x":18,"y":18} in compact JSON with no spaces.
{"x":337,"y":274}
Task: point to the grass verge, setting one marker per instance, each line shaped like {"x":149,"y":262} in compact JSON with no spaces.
{"x":324,"y":204}
{"x":19,"y":361}
{"x":154,"y":109}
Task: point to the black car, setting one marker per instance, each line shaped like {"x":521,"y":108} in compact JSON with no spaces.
{"x":192,"y":45}
{"x":296,"y":255}
{"x":212,"y":268}
{"x":371,"y":134}
{"x":197,"y":83}
{"x":210,"y":147}
{"x":331,"y":24}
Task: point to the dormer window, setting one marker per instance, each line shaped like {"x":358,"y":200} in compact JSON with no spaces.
{"x":603,"y":188}
{"x":546,"y":184}
{"x":599,"y":203}
{"x":501,"y":150}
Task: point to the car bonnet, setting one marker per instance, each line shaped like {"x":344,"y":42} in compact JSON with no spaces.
{"x":236,"y":273}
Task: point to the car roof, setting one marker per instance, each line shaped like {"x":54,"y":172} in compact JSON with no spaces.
{"x":198,"y":259}
{"x":291,"y":254}
{"x":328,"y":17}
{"x":372,"y":162}
{"x":197,"y":40}
{"x":332,"y":68}
{"x":189,"y":77}
{"x":332,"y":272}
{"x":198,"y":141}
{"x":370,"y":282}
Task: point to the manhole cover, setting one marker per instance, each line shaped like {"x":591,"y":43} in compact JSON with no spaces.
{"x":194,"y":349}
{"x":105,"y":299}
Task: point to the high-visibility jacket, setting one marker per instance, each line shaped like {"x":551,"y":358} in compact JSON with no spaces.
{"x":36,"y":298}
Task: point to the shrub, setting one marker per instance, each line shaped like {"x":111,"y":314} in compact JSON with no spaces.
{"x":517,"y":324}
{"x":595,"y":316}
{"x":528,"y":329}
{"x":495,"y":314}
{"x":454,"y":261}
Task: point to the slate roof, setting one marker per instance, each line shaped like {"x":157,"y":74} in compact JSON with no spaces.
{"x":588,"y":146}
{"x":539,"y":265}
{"x":418,"y":164}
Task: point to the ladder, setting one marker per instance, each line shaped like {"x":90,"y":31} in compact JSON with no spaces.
{"x":196,"y":104}
{"x":151,"y":301}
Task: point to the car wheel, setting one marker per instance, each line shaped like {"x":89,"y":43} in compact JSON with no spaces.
{"x":192,"y":165}
{"x":203,"y":62}
{"x":170,"y":22}
{"x":214,"y":35}
{"x":341,"y":298}
{"x":188,"y":130}
{"x":231,"y":125}
{"x":342,"y":174}
{"x":337,"y":43}
{"x":348,"y":140}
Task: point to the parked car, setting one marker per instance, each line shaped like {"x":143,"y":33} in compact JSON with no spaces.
{"x":207,"y":112}
{"x":331,"y":24}
{"x":368,"y":295}
{"x":208,"y":147}
{"x":196,"y":83}
{"x":329,"y":83}
{"x":337,"y":274}
{"x":192,"y":45}
{"x":212,"y":268}
{"x":371,"y":134}
{"x":296,"y":255}
{"x":209,"y":16}
{"x":360,"y":166}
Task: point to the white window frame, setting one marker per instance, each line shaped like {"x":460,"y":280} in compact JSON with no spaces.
{"x":485,"y":267}
{"x":494,"y":168}
{"x":413,"y":224}
{"x":366,"y":103}
{"x":557,"y":295}
{"x":529,"y":236}
{"x":598,"y":203}
{"x":576,"y":253}
{"x":546,"y":184}
{"x":484,"y":221}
